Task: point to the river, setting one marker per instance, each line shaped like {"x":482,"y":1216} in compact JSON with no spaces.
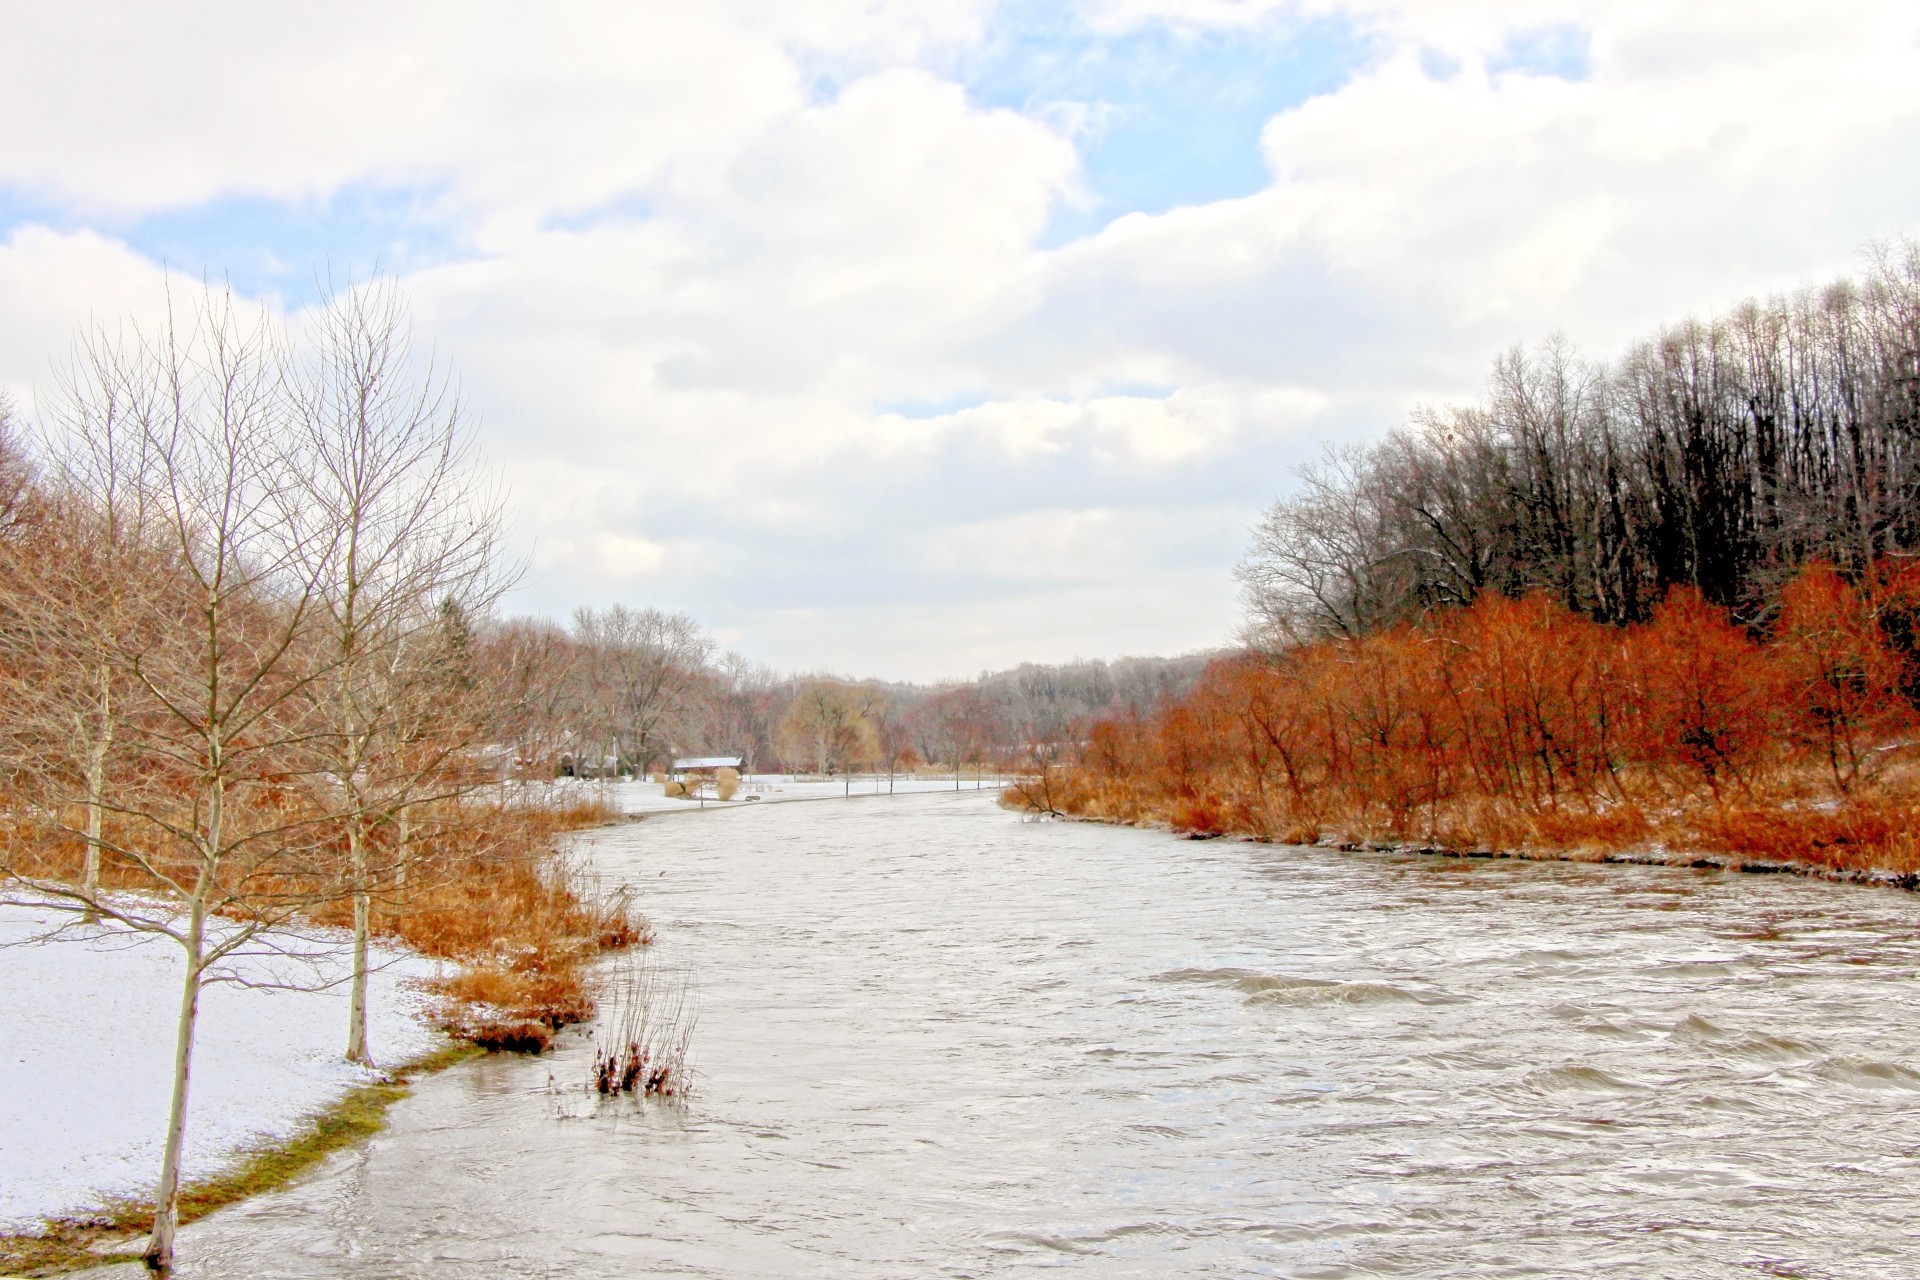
{"x":936,"y":1040}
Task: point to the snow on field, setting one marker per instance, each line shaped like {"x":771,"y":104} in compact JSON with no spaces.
{"x":637,"y":795}
{"x":86,"y":1053}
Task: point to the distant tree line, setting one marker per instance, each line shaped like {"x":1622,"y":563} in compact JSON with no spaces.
{"x":252,"y":678}
{"x":1720,"y":455}
{"x":624,"y":690}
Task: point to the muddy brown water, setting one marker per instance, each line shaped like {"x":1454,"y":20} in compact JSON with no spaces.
{"x":936,"y":1040}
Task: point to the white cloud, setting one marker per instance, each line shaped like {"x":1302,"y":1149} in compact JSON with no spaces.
{"x":137,"y":106}
{"x":715,"y":248}
{"x":55,"y":283}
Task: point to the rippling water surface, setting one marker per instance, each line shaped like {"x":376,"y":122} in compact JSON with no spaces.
{"x":936,"y":1040}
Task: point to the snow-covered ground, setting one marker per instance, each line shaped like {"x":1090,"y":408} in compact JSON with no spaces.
{"x":637,"y":795}
{"x":86,"y":1053}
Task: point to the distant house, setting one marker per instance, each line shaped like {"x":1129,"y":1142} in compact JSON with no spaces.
{"x":702,"y":767}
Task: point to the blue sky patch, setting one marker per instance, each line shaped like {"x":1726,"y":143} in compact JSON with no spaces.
{"x":266,"y":246}
{"x":1563,"y":52}
{"x":287,"y":247}
{"x":1168,"y":116}
{"x":939,"y":407}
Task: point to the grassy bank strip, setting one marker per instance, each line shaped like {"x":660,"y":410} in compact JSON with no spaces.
{"x":1874,"y":877}
{"x":116,"y":1232}
{"x":1907,"y":880}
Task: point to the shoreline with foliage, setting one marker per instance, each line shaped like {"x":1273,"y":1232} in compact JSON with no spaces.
{"x":1019,"y":800}
{"x":508,"y":920}
{"x":1515,"y":728}
{"x":1666,"y":608}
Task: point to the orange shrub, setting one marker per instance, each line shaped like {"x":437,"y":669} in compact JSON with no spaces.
{"x":1519,"y":723}
{"x":1705,"y":695}
{"x":1841,"y":681}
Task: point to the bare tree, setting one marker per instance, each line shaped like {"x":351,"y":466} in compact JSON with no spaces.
{"x":526,"y":668}
{"x":16,"y":471}
{"x":639,"y":671}
{"x":205,"y":816}
{"x":959,"y":726}
{"x":406,"y":539}
{"x":828,"y":725}
{"x":740,"y":710}
{"x":1718,"y":454}
{"x":892,"y":736}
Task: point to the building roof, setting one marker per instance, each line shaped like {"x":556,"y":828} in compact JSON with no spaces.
{"x":708,"y":762}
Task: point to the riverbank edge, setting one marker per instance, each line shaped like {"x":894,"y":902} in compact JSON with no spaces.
{"x":1880,"y":879}
{"x":76,"y":1242}
{"x":728,"y":806}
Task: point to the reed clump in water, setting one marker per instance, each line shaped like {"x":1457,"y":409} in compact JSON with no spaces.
{"x":646,"y":1033}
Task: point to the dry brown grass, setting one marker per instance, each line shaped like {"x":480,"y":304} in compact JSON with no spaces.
{"x":487,"y":887}
{"x":1794,"y":822}
{"x":1876,"y":833}
{"x":496,"y":895}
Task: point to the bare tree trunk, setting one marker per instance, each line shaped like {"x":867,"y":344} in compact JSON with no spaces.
{"x":166,"y":1197}
{"x":357,"y":1050}
{"x":96,"y":788}
{"x":403,"y":852}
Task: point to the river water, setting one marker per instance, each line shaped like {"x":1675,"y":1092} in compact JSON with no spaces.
{"x":936,"y":1040}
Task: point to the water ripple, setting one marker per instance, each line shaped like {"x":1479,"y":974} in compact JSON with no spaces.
{"x":938,"y":1041}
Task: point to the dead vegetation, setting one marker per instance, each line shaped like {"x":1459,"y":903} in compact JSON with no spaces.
{"x":1520,"y":727}
{"x":489,"y":889}
{"x":645,"y":1034}
{"x":521,"y":918}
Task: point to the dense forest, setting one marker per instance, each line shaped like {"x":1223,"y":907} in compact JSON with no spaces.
{"x":1669,"y":606}
{"x":1718,"y":454}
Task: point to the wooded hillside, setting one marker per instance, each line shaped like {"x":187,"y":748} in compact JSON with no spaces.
{"x":1719,"y":454}
{"x":1669,"y":606}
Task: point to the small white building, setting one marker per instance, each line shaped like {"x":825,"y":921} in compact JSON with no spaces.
{"x":702,"y":767}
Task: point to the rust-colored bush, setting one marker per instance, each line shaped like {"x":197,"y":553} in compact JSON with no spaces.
{"x":1840,"y":680}
{"x":1516,"y":724}
{"x":1200,"y":815}
{"x":490,"y":889}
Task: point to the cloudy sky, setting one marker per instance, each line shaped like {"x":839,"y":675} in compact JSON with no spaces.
{"x":912,"y":337}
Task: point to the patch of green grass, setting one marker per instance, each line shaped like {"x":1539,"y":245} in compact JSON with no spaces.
{"x":93,"y":1239}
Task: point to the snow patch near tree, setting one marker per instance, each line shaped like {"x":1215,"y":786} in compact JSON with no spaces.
{"x":87,"y":1024}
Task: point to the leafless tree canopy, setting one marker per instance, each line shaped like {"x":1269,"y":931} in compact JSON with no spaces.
{"x":1720,"y":454}
{"x":637,"y":679}
{"x":232,"y":626}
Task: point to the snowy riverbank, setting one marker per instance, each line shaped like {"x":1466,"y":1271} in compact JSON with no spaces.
{"x":639,"y":796}
{"x":88,"y":1021}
